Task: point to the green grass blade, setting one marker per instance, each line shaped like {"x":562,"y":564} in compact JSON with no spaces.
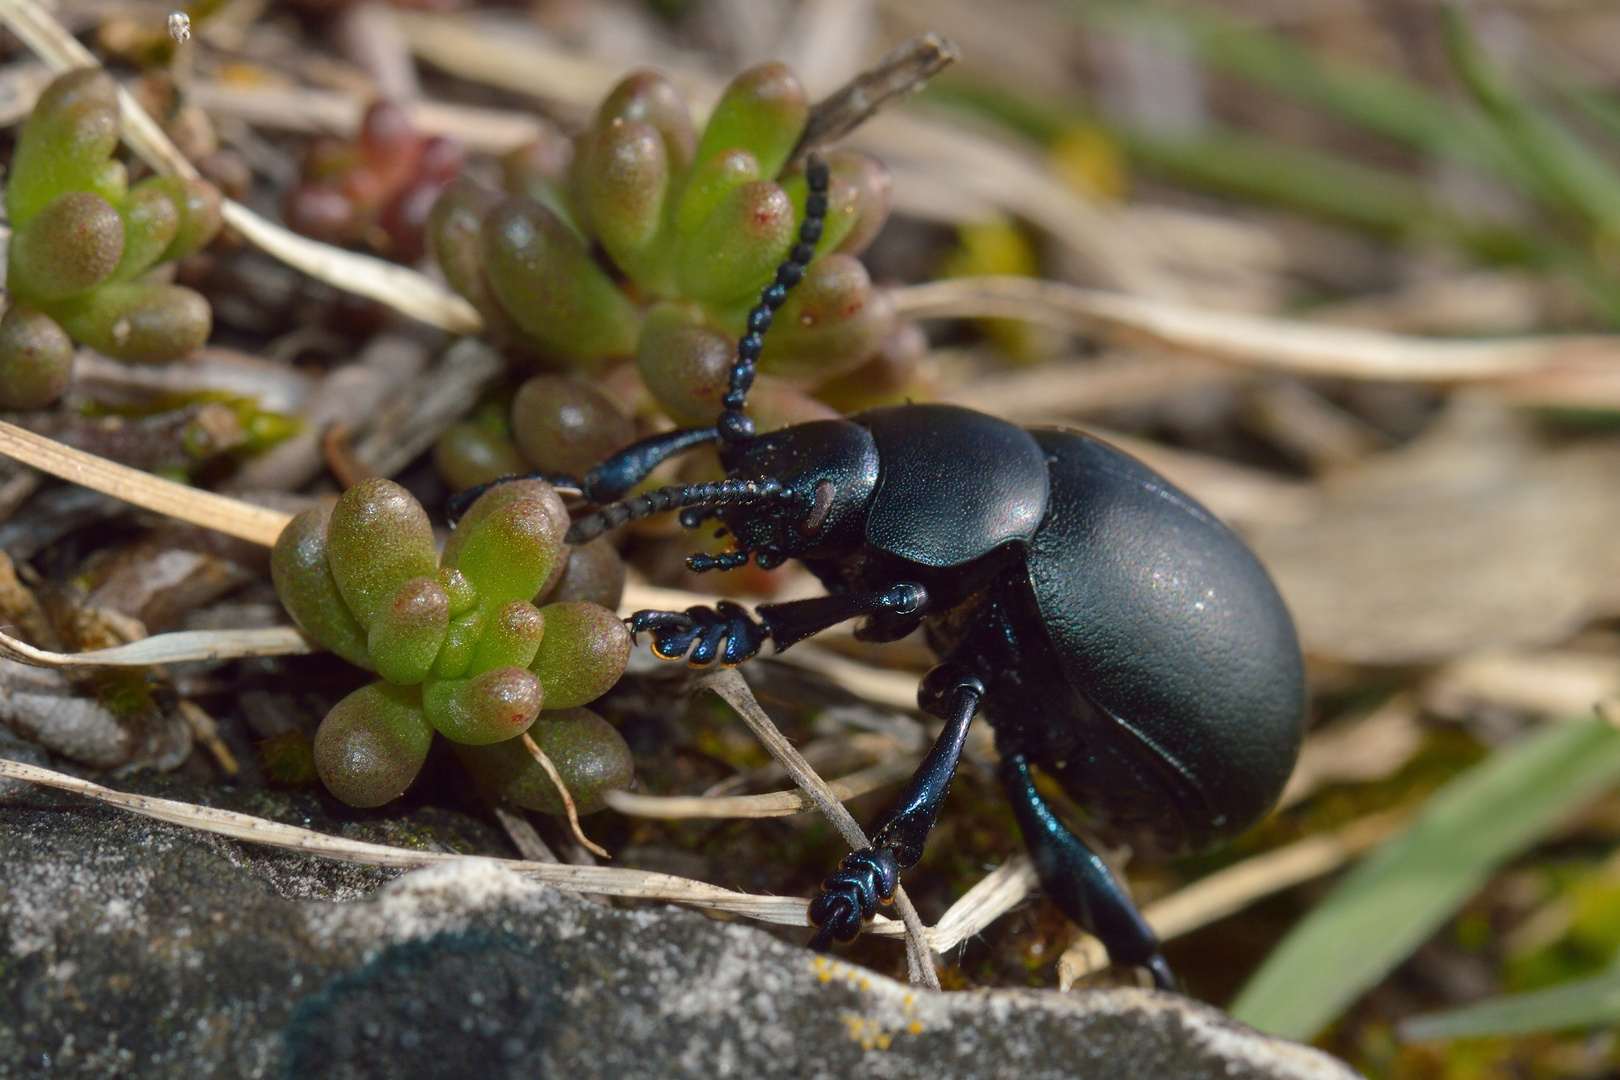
{"x":1579,"y":178}
{"x":1378,"y":101}
{"x":1408,"y":887}
{"x":1266,"y":170}
{"x":1583,"y":1003}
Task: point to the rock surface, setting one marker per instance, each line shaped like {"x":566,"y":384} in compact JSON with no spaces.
{"x":135,"y":949}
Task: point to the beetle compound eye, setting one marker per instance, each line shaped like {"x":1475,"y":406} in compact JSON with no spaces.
{"x":819,"y":509}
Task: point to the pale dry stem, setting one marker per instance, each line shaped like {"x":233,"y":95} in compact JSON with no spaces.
{"x":1281,"y":344}
{"x":230,"y":516}
{"x":729,"y":684}
{"x":546,"y":763}
{"x":982,"y":905}
{"x":768,"y":805}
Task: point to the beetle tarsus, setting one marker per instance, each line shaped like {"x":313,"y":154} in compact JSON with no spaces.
{"x":850,"y":897}
{"x":865,"y":879}
{"x":724,"y":632}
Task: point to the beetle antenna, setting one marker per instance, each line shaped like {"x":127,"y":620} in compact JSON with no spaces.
{"x":658,"y":500}
{"x":733,"y":426}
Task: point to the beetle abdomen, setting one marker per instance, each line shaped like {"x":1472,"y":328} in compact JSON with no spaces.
{"x":1167,"y":624}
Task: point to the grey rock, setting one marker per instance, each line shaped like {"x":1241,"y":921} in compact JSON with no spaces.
{"x":135,"y":949}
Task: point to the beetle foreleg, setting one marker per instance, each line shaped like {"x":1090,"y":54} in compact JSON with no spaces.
{"x":1078,"y":881}
{"x":849,"y":898}
{"x":675,"y":631}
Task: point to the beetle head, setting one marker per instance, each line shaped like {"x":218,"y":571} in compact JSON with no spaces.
{"x":831,"y":469}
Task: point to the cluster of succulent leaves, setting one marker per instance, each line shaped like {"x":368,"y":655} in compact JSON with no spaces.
{"x":85,"y":242}
{"x":377,"y":190}
{"x":653,"y":241}
{"x":459,"y":643}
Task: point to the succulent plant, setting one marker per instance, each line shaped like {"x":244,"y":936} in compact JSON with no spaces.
{"x":377,"y":190}
{"x":460,"y":645}
{"x":84,"y":244}
{"x":648,"y":243}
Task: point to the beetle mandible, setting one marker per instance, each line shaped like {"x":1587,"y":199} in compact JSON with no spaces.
{"x":1115,"y":634}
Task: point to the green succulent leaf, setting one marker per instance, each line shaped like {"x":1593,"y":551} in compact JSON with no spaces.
{"x":138,"y":322}
{"x":763,"y":111}
{"x":583,"y":653}
{"x":73,"y":244}
{"x":547,"y":282}
{"x":490,"y":707}
{"x":372,"y":744}
{"x":407,"y":632}
{"x":378,"y":538}
{"x":36,"y":359}
{"x":589,"y":753}
{"x":304,"y":583}
{"x":65,"y":144}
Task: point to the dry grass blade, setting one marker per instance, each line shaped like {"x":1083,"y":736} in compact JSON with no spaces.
{"x":600,"y":880}
{"x":399,"y":287}
{"x":730,"y":686}
{"x":178,"y":647}
{"x":1303,"y":348}
{"x":770,"y":804}
{"x":618,"y":881}
{"x":1231,"y":890}
{"x":898,"y":75}
{"x":1000,"y":891}
{"x":526,"y":66}
{"x":230,"y":516}
{"x":299,"y":108}
{"x":546,"y":763}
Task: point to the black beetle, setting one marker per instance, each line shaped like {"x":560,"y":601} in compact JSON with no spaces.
{"x":1114,"y":632}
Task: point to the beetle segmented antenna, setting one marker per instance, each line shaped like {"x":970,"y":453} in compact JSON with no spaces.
{"x":722,"y":493}
{"x":733,"y":426}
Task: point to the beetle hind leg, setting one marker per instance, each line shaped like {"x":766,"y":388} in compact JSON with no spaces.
{"x":1078,"y":881}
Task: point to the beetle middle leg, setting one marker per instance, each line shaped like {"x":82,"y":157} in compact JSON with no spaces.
{"x":849,"y":898}
{"x":1078,"y":881}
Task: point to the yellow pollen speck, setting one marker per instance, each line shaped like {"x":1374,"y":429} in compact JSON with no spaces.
{"x":915,"y":1027}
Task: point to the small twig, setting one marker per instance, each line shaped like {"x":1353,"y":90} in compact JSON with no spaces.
{"x":206,"y":731}
{"x":567,"y":797}
{"x":338,"y":451}
{"x":768,"y":805}
{"x":1282,"y":344}
{"x":230,"y":516}
{"x":1228,"y":891}
{"x":985,"y":902}
{"x":1003,"y":889}
{"x":898,"y":75}
{"x":730,"y":686}
{"x":178,"y":647}
{"x":523,"y":835}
